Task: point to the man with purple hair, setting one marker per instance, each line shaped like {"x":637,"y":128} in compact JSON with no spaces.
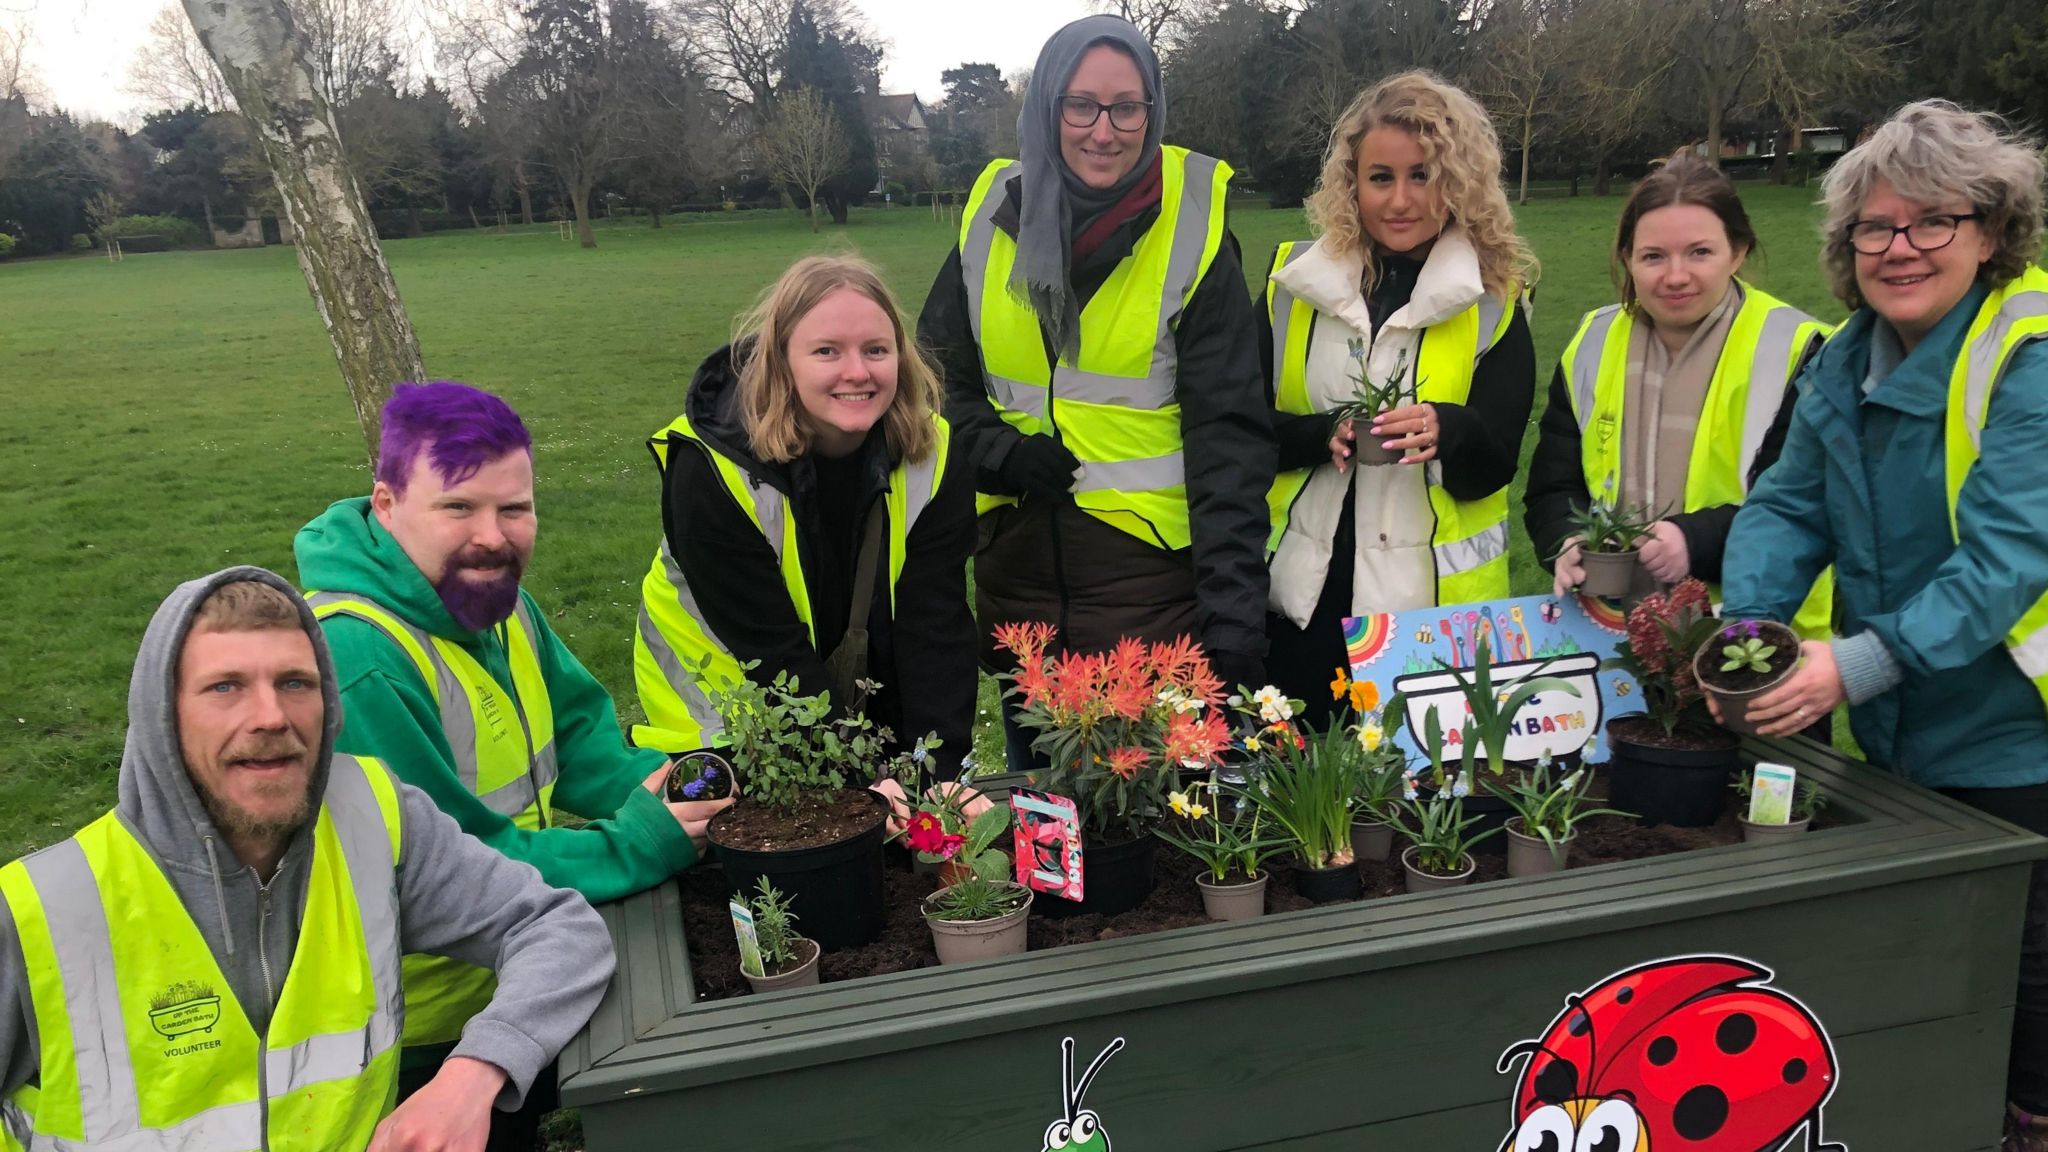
{"x":450,"y":675}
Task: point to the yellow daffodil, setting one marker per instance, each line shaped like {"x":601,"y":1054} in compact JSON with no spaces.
{"x":1179,"y":802}
{"x":1370,"y":736}
{"x":1251,"y":743}
{"x":1197,"y":811}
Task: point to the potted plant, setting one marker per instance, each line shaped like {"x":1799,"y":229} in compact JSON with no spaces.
{"x":1746,"y":659}
{"x":1441,"y":836}
{"x":1546,"y":817}
{"x":1807,"y":801}
{"x":1379,"y":770}
{"x":1368,"y":400}
{"x":958,"y":855}
{"x":981,"y":917}
{"x":1668,"y":763}
{"x":1305,"y":785}
{"x":804,"y":817}
{"x":785,"y":959}
{"x":700,"y":775}
{"x":1607,"y":532}
{"x":1490,"y":712}
{"x":1115,"y":727}
{"x":1232,"y":883}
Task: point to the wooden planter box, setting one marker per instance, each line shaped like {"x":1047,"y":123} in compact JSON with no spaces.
{"x":1370,"y":1025}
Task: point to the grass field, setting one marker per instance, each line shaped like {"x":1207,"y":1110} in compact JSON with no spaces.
{"x":179,"y":412}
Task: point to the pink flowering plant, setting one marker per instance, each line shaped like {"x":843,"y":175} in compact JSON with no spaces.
{"x":1664,"y":630}
{"x":1116,"y":726}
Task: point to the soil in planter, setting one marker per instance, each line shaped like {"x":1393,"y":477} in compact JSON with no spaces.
{"x":906,"y":942}
{"x":817,"y":820}
{"x":1684,"y":738}
{"x":1746,"y":679}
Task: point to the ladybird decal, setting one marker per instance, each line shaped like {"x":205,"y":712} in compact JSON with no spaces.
{"x":1080,"y":1129}
{"x":1694,"y":1054}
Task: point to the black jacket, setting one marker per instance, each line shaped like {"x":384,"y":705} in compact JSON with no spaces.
{"x":1557,"y":484}
{"x":1226,"y":437}
{"x":923,"y":656}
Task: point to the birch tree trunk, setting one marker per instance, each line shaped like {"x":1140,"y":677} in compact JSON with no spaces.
{"x":262,"y":55}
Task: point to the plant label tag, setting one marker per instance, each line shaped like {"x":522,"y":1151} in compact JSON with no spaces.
{"x":750,"y":945}
{"x":1770,"y":794}
{"x":1047,"y":837}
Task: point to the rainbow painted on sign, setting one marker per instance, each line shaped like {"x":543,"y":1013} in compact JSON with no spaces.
{"x":1365,"y":639}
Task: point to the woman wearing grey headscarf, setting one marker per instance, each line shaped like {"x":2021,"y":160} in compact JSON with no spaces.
{"x":1102,"y":372}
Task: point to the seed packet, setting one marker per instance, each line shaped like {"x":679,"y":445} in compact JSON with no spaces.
{"x":1770,"y":794}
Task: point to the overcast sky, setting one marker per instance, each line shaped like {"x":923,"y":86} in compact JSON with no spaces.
{"x":81,"y":49}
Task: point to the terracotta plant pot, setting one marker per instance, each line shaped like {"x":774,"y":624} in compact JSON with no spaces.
{"x":1244,"y":900}
{"x":1531,"y":855}
{"x":804,"y":975}
{"x":1608,"y":574}
{"x":1735,"y":699}
{"x":1772,"y":833}
{"x":1372,"y":840}
{"x":1323,"y":885}
{"x":1420,"y":881}
{"x":962,"y":941}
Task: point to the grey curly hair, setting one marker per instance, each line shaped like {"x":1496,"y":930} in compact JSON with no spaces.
{"x":1931,"y":151}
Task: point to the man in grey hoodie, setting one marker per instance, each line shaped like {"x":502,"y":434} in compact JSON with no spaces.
{"x":235,"y":811}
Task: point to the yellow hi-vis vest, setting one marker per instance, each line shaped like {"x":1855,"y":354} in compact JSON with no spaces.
{"x":678,"y":659}
{"x":1470,"y":540}
{"x":144,"y":1047}
{"x":2010,"y":317}
{"x":504,"y":752}
{"x":1116,"y":408}
{"x":1767,"y":342}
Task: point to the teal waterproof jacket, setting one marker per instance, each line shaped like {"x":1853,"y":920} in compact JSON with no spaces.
{"x":1934,"y":695}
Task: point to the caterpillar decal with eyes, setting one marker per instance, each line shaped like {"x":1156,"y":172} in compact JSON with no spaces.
{"x":1080,"y":1130}
{"x":1693,"y":1054}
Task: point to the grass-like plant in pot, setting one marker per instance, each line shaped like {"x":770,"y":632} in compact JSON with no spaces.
{"x":1305,"y":782}
{"x":786,"y":959}
{"x":1547,"y":814}
{"x":1369,"y":399}
{"x":1115,"y":728}
{"x":1381,"y":764}
{"x":1232,"y":851}
{"x":1607,"y":532}
{"x":804,"y":816}
{"x":983,"y":915}
{"x":1742,"y":661}
{"x":1490,"y":711}
{"x":1441,"y":836}
{"x":1667,"y":764}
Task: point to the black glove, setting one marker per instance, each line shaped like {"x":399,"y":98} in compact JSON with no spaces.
{"x":1039,"y":466}
{"x":1237,"y":669}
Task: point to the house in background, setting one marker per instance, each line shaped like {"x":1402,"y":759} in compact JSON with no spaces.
{"x":902,"y":139}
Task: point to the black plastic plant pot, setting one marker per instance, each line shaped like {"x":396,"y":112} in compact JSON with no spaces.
{"x":1685,"y":787}
{"x":1322,"y":885}
{"x":1114,"y":878}
{"x":1494,"y":814}
{"x":835,"y":890}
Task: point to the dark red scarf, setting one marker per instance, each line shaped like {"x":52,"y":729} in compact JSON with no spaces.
{"x":1144,"y":194}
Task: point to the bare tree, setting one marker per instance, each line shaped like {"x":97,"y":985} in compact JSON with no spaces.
{"x":802,"y":144}
{"x":17,"y":77}
{"x":740,"y":44}
{"x":1717,"y":49}
{"x":1162,"y":22}
{"x":264,"y":62}
{"x":351,"y":40}
{"x":172,"y":69}
{"x":1621,"y":54}
{"x":1817,"y":55}
{"x":1523,"y":52}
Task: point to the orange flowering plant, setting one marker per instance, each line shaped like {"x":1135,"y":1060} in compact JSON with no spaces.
{"x":1115,"y":726}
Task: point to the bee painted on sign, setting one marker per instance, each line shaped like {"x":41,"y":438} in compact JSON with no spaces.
{"x":1080,"y":1129}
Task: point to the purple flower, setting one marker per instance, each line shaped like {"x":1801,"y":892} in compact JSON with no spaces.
{"x":694,"y":789}
{"x":1754,"y":629}
{"x":710,"y":773}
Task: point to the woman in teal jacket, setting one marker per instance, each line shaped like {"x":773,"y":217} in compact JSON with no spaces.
{"x":1915,"y":463}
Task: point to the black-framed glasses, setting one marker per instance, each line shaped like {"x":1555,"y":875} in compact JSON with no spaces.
{"x":1124,"y":115}
{"x":1927,"y":234}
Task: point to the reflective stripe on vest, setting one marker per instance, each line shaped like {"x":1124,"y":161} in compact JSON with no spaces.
{"x":1116,"y":408}
{"x":1767,"y":342}
{"x":2010,"y":317}
{"x":1470,"y":540}
{"x":488,"y":736}
{"x":143,"y":1046}
{"x":678,"y":659}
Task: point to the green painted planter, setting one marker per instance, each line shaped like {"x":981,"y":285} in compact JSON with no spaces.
{"x":1413,"y":998}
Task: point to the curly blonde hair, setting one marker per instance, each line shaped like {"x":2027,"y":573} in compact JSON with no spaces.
{"x":1463,"y":155}
{"x":769,"y":408}
{"x":1930,"y":151}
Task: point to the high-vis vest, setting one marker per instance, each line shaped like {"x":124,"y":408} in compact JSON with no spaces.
{"x":2010,"y":317}
{"x":678,"y":658}
{"x":1767,"y":343}
{"x":1470,"y":540}
{"x":1116,"y":409}
{"x":504,"y":750}
{"x":144,"y":1047}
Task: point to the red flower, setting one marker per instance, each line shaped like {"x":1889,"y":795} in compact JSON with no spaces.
{"x":1027,"y":641}
{"x":1127,"y":684}
{"x":949,"y":845}
{"x":1196,"y":739}
{"x":925,"y":833}
{"x":1126,"y":762}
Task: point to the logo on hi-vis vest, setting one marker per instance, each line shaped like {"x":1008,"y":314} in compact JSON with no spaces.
{"x":184,"y":1008}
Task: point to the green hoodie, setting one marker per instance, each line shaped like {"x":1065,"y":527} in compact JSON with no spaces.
{"x":631,"y":841}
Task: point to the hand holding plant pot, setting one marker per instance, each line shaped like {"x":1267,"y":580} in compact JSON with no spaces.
{"x":1813,"y":691}
{"x":1742,"y":665}
{"x":1546,"y":817}
{"x":1369,"y":401}
{"x":1607,"y":541}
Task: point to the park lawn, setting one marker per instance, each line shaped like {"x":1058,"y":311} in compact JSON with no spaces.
{"x":179,"y":412}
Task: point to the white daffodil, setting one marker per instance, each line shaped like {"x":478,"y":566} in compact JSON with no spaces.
{"x":1274,"y":707}
{"x":1179,"y":802}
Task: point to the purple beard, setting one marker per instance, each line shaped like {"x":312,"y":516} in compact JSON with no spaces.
{"x":479,"y":606}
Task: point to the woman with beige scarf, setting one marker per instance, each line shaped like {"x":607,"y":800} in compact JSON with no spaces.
{"x":1673,"y":401}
